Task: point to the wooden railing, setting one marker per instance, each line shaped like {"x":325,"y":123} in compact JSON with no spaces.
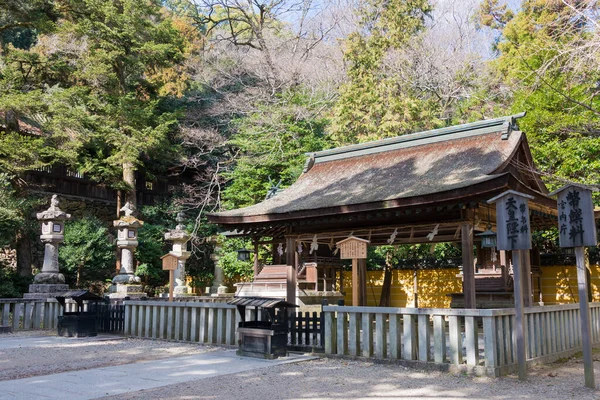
{"x":211,"y":323}
{"x":477,"y":341}
{"x":25,"y":314}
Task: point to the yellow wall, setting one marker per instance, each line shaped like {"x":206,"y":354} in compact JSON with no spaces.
{"x":559,"y":284}
{"x":433,"y":287}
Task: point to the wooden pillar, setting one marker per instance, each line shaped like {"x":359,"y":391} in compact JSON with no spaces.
{"x":362,"y":267}
{"x":468,"y":264}
{"x":526,"y":279}
{"x":504,"y":267}
{"x":521,"y":336}
{"x":415,"y":288}
{"x":355,"y":290}
{"x":255,"y":268}
{"x":291,"y":278}
{"x":584,"y":315}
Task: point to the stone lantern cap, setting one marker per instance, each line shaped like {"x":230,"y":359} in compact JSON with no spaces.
{"x":128,"y":220}
{"x":179,"y":233}
{"x":53,"y":213}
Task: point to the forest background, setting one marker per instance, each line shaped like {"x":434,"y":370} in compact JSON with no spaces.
{"x":235,"y":92}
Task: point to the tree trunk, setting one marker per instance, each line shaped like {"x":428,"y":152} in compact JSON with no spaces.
{"x":129,"y":179}
{"x":79,"y":272}
{"x":384,"y":300}
{"x":24,"y":262}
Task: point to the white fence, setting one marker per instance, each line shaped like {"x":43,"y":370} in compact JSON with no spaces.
{"x":211,"y":323}
{"x":25,"y":314}
{"x":478,"y":341}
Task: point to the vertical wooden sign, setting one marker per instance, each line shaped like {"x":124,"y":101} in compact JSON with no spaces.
{"x":514,"y":233}
{"x":512,"y":220}
{"x":355,"y":248}
{"x":577,"y":228}
{"x":576,"y":225}
{"x":170,"y":263}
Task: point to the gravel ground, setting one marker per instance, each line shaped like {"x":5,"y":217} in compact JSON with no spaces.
{"x":318,"y":379}
{"x":339,"y":379}
{"x":78,"y":354}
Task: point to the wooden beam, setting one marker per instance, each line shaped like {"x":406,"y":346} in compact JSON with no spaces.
{"x":291,"y":278}
{"x":355,"y":291}
{"x":526,"y":279}
{"x":468,"y":264}
{"x":362,"y":275}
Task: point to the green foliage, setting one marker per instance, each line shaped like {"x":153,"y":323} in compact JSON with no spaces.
{"x":97,"y":86}
{"x":13,"y":285}
{"x":392,"y":256}
{"x":235,"y":270}
{"x":374,"y":104}
{"x":542,"y":57}
{"x":88,"y":247}
{"x":272,"y":143}
{"x":12,"y":211}
{"x":151,"y":247}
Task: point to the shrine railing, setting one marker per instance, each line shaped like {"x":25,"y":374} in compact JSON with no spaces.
{"x":211,"y":323}
{"x":474,"y":341}
{"x":26,"y":314}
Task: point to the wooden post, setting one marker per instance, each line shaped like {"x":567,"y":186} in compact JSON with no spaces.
{"x":255,"y":268}
{"x":519,"y":316}
{"x":291,"y":278}
{"x":355,"y":291}
{"x":526,"y":279}
{"x":468,"y":264}
{"x":170,"y":263}
{"x":584,"y":311}
{"x":362,"y":278}
{"x":171,"y":280}
{"x":504,"y":266}
{"x":415,"y":289}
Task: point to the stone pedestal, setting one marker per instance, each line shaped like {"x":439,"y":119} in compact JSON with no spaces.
{"x":46,"y":290}
{"x":50,"y":282}
{"x":120,"y":291}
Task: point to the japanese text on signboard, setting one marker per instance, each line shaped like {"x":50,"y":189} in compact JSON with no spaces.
{"x":512,"y":213}
{"x":576,"y":226}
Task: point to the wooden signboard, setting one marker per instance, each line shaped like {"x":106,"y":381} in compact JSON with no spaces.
{"x":512,"y":220}
{"x":169,"y":262}
{"x":514,"y":233}
{"x":353,"y":248}
{"x":577,"y":228}
{"x":576,"y":225}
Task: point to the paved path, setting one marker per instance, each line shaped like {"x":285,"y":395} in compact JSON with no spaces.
{"x":99,"y":382}
{"x":45,"y":341}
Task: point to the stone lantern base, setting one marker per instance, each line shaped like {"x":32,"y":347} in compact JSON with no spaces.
{"x":120,"y":291}
{"x":45,"y":290}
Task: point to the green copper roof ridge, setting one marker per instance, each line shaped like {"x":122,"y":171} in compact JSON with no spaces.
{"x":433,"y":133}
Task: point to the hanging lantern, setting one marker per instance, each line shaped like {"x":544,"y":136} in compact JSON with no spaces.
{"x":488,"y":238}
{"x":243,"y":254}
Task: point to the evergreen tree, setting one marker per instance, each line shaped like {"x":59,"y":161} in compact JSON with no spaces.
{"x":374,"y":104}
{"x":542,"y":62}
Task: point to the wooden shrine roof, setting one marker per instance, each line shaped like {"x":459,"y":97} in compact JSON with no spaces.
{"x":464,"y":163}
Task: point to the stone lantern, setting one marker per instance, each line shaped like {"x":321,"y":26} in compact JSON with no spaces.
{"x":127,"y":233}
{"x":179,"y":237}
{"x":50,"y":281}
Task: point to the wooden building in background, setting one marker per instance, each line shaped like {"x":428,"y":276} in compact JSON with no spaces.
{"x":425,"y":187}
